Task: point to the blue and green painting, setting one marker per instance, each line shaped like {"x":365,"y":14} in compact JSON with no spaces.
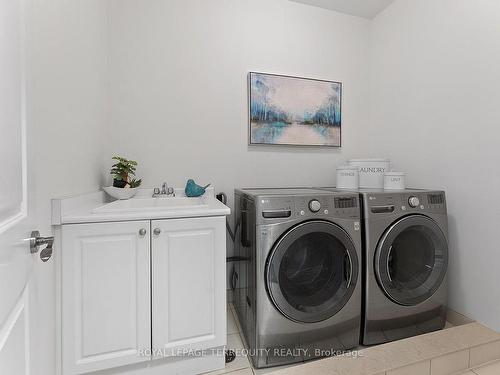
{"x":294,"y":111}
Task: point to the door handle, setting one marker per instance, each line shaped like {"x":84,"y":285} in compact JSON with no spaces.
{"x":36,"y":241}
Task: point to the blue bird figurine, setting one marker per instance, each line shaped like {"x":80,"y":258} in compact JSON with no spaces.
{"x":194,"y":190}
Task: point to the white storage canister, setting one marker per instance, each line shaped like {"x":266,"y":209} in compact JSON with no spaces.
{"x":394,"y":181}
{"x":347,"y":177}
{"x":371,"y":172}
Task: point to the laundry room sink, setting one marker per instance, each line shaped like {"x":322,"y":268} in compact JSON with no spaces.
{"x":152,"y":204}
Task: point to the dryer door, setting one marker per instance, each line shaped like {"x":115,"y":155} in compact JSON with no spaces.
{"x":312,"y":271}
{"x":411,"y":260}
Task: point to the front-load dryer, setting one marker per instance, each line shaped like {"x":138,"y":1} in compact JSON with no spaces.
{"x":406,"y":250}
{"x":298,"y":288}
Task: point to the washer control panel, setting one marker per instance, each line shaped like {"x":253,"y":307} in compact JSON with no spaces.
{"x":314,"y":205}
{"x":413,"y":201}
{"x":326,"y":206}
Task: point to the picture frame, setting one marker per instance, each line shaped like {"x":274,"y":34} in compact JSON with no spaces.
{"x":287,"y":110}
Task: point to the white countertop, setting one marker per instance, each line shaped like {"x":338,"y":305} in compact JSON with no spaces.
{"x":82,"y":208}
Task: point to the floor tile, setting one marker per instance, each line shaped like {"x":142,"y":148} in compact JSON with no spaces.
{"x":231,"y":306}
{"x":396,"y":355}
{"x":457,"y":338}
{"x":426,"y":346}
{"x":488,"y":369}
{"x":240,"y":362}
{"x":270,"y":370}
{"x":230,"y":296}
{"x":245,"y":371}
{"x":231,"y":323}
{"x":450,"y":363}
{"x":415,"y":349}
{"x":235,"y":316}
{"x":484,"y":353}
{"x":421,"y":368}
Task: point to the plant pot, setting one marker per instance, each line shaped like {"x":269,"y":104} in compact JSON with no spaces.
{"x":119,"y":193}
{"x":119,"y":183}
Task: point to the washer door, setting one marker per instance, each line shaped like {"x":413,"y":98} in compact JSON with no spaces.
{"x":411,"y":260}
{"x":312,"y":271}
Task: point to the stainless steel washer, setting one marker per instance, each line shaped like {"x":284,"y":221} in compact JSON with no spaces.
{"x":298,"y":288}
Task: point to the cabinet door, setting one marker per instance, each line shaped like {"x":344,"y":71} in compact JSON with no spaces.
{"x":189,"y":286}
{"x":105,"y":295}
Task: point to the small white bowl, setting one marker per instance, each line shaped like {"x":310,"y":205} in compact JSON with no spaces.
{"x":121,"y":193}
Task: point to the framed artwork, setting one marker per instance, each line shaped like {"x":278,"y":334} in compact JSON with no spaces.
{"x":294,"y":111}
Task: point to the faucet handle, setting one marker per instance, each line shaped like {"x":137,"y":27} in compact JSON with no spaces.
{"x":156,"y":191}
{"x":170,"y":191}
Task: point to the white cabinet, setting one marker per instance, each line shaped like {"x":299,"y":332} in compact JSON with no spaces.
{"x":188,"y":274}
{"x":106,"y":316}
{"x":132,"y":288}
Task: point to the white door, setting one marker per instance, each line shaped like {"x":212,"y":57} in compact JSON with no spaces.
{"x":189,"y":284}
{"x":16,"y":203}
{"x":106,"y":294}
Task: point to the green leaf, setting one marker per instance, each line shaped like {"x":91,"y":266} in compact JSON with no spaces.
{"x":124,"y":169}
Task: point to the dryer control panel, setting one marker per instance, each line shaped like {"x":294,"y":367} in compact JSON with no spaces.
{"x":408,"y":201}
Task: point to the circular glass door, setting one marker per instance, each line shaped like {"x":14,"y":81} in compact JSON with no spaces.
{"x":312,"y":271}
{"x":411,"y":260}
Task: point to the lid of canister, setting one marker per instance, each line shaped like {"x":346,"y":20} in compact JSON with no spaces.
{"x":348,"y":167}
{"x":393,"y":173}
{"x":380,"y":160}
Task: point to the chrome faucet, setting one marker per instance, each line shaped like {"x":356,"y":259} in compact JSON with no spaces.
{"x":164,"y":192}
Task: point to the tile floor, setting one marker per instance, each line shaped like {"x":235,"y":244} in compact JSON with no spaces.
{"x":242,"y":365}
{"x":451,"y":355}
{"x":492,"y":368}
{"x":467,"y":349}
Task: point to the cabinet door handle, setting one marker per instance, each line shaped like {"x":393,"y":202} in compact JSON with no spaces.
{"x":142,"y":232}
{"x":157,"y":231}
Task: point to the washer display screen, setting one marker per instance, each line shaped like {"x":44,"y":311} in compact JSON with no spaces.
{"x":349,"y":202}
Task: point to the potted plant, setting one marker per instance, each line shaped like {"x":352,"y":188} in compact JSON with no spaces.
{"x":124,"y":185}
{"x":122,"y":170}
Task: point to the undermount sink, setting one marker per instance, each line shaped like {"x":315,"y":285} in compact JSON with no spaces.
{"x":152,"y":204}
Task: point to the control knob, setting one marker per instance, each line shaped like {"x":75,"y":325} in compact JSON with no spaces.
{"x":314,"y":205}
{"x":413,"y":201}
